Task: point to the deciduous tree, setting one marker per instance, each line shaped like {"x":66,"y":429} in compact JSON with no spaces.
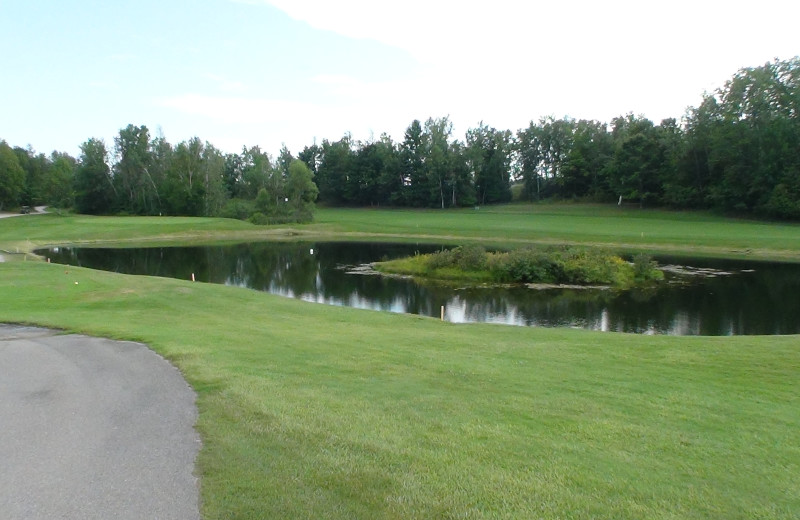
{"x":12,"y":177}
{"x":137,"y":191}
{"x":301,"y":191}
{"x":94,"y":188}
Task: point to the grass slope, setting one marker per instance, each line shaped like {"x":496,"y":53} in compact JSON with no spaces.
{"x":627,"y":229}
{"x":33,"y":231}
{"x":622,"y":229}
{"x":310,"y":411}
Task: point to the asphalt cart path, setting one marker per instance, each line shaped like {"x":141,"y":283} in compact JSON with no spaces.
{"x":36,"y":211}
{"x":94,"y":429}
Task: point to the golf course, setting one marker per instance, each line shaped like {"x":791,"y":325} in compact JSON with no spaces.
{"x":314,"y":411}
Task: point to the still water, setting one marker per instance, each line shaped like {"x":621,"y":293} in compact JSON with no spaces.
{"x":701,"y":297}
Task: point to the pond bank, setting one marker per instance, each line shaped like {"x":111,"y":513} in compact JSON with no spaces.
{"x":347,"y":414}
{"x":757,"y":298}
{"x":673,"y":233}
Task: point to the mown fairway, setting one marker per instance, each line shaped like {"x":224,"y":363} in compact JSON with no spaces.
{"x":607,"y":225}
{"x":691,"y":233}
{"x":309,"y":411}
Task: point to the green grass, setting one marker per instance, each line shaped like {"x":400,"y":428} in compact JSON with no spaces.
{"x":619,"y":229}
{"x":38,"y":230}
{"x":310,"y":411}
{"x":624,"y":229}
{"x":417,"y":266}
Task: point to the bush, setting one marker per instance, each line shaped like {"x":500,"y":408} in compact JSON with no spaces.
{"x":563,"y":266}
{"x":440,"y":259}
{"x":592,"y":266}
{"x":542,"y":265}
{"x":466,"y":258}
{"x":471,"y":258}
{"x":523,"y":266}
{"x":302,"y":216}
{"x":283,"y":219}
{"x":783,"y":203}
{"x":240,"y":209}
{"x":259,"y":219}
{"x":645,"y":269}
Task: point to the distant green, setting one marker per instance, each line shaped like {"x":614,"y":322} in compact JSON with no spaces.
{"x":618,"y":229}
{"x":622,"y":229}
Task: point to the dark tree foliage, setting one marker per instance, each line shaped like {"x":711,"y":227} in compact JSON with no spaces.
{"x":12,"y":177}
{"x":138,"y":193}
{"x":583,"y":171}
{"x":47,"y":180}
{"x":415,"y":182}
{"x":311,"y":155}
{"x":186,"y":191}
{"x":94,"y":188}
{"x":489,"y":155}
{"x":389,"y":172}
{"x":746,"y":137}
{"x":36,"y":168}
{"x":528,"y":150}
{"x":636,"y":160}
{"x":336,"y":162}
{"x":58,"y":189}
{"x":460,"y":183}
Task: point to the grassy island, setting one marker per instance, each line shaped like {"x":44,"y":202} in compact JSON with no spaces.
{"x":540,"y":265}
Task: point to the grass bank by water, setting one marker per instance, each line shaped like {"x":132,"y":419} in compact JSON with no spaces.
{"x":617,"y":229}
{"x":310,"y":411}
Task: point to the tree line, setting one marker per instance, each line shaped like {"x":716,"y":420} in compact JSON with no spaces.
{"x":738,"y":151}
{"x":150,"y":176}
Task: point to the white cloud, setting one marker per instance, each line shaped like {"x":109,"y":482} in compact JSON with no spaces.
{"x":231,"y":109}
{"x":580,"y":57}
{"x":226,"y":85}
{"x":503,"y":61}
{"x":337,"y":80}
{"x":507,"y":62}
{"x":229,"y":122}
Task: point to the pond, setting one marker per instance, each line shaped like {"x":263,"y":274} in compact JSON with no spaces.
{"x":700,"y":297}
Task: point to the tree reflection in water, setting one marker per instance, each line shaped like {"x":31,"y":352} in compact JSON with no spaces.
{"x":757,"y":298}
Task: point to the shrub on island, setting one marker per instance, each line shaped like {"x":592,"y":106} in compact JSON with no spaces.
{"x":542,"y":265}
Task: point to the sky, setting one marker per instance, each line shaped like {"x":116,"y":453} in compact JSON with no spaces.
{"x":294,"y":72}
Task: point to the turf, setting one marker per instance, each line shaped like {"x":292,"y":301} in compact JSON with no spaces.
{"x":628,"y":229}
{"x":514,"y":225}
{"x":311,"y":411}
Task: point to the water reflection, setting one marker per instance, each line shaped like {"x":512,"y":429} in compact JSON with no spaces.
{"x":753,"y":299}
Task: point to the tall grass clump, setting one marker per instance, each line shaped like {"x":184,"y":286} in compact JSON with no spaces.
{"x":645,"y":269}
{"x":467,"y":258}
